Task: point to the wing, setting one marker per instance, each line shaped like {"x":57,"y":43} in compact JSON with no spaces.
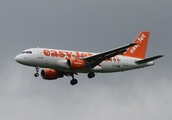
{"x":98,"y":58}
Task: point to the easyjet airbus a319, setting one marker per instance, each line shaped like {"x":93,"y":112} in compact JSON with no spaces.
{"x":60,"y":63}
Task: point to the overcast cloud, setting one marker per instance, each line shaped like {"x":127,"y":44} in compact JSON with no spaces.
{"x":90,"y":25}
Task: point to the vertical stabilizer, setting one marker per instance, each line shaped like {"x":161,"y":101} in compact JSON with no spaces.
{"x":139,"y":50}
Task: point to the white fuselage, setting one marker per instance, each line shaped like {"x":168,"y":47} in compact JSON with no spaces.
{"x":57,"y":59}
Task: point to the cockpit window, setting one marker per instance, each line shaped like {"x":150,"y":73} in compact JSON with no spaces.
{"x":28,"y":52}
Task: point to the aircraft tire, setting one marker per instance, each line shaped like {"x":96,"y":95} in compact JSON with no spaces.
{"x":36,"y":74}
{"x":74,"y":82}
{"x":91,"y":75}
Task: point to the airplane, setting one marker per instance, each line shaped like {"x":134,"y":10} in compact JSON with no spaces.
{"x":59,"y":63}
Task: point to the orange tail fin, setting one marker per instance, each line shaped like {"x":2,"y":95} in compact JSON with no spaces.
{"x":139,"y":50}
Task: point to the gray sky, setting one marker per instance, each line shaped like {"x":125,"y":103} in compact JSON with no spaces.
{"x":90,"y":25}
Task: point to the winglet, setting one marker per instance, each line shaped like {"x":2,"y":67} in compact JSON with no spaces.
{"x":139,"y":50}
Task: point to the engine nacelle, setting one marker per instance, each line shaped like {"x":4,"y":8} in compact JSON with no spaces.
{"x":75,"y":63}
{"x":51,"y":74}
{"x":62,"y":63}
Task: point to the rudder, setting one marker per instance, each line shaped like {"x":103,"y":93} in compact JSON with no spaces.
{"x":139,"y":50}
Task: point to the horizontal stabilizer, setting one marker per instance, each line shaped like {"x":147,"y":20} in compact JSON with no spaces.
{"x":148,"y":59}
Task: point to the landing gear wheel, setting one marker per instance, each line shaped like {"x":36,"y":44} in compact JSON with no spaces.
{"x":74,"y":82}
{"x":36,"y":74}
{"x":91,"y":75}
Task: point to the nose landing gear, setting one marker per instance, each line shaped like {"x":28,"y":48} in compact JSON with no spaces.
{"x":37,"y":71}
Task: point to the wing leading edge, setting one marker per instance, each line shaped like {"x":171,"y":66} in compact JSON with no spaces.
{"x":98,"y":58}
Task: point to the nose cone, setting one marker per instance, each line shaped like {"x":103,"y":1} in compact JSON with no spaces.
{"x":18,"y":58}
{"x":23,"y":59}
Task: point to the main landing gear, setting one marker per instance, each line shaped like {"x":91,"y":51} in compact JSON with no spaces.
{"x":37,"y":71}
{"x":75,"y":81}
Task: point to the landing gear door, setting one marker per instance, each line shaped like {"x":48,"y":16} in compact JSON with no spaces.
{"x":40,"y":55}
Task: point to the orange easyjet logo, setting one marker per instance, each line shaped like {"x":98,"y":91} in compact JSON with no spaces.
{"x":138,"y":41}
{"x":67,"y":55}
{"x":62,"y":54}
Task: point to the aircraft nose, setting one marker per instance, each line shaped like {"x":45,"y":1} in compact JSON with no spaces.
{"x":18,"y":58}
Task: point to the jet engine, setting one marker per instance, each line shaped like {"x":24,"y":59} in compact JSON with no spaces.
{"x":51,"y":74}
{"x":75,"y":63}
